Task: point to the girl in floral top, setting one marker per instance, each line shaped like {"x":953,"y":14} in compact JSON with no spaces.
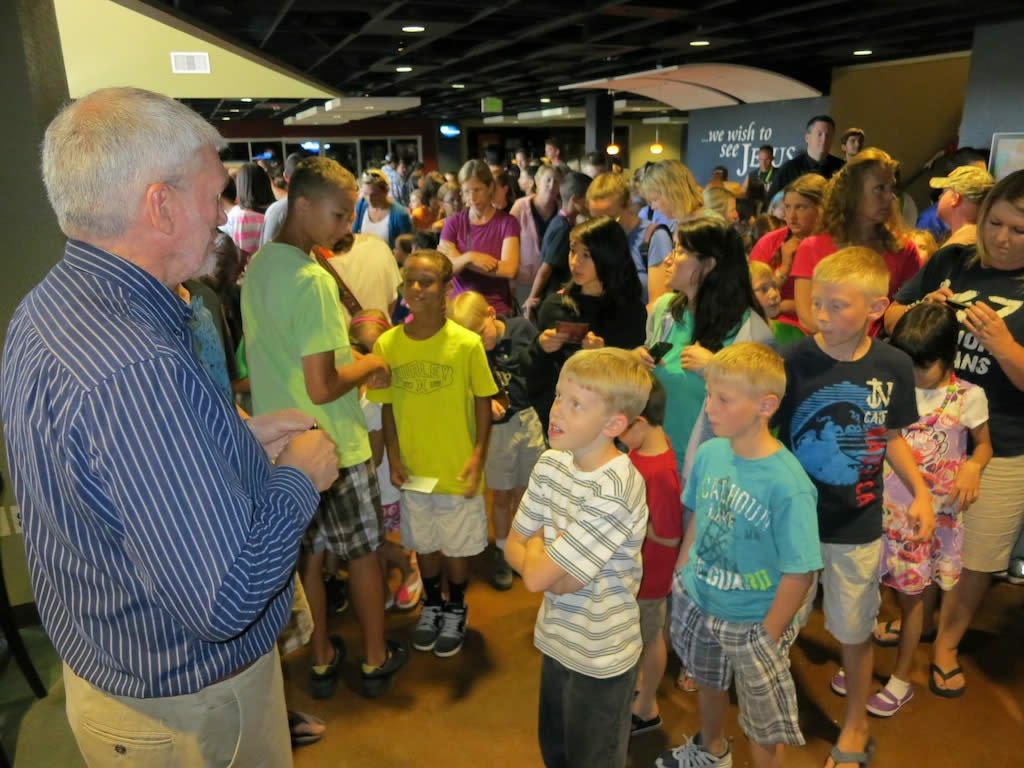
{"x":949,"y":408}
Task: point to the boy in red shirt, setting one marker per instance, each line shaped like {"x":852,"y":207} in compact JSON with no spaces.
{"x":651,"y":453}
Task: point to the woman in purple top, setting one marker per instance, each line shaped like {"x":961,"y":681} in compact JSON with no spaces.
{"x":481,"y":241}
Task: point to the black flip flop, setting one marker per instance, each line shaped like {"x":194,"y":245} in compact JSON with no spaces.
{"x":926,"y":637}
{"x":887,"y":629}
{"x":298,"y":719}
{"x":946,"y":693}
{"x":638,"y":725}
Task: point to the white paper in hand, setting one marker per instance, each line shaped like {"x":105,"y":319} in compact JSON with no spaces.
{"x":419,"y":484}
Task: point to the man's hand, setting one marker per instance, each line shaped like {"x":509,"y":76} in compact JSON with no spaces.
{"x":275,"y":429}
{"x":470,"y":477}
{"x":312,"y":453}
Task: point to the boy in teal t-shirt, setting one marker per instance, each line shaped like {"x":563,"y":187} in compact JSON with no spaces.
{"x":746,"y":565}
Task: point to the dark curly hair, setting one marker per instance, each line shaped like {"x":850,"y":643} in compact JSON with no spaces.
{"x":724,"y":294}
{"x":606,"y":241}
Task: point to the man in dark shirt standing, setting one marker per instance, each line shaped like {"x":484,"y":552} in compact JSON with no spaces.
{"x":758,"y":180}
{"x":821,"y":129}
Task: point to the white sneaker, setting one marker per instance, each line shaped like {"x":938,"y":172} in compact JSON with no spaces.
{"x":693,"y":754}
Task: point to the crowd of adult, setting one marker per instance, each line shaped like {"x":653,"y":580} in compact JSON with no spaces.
{"x":163,"y":523}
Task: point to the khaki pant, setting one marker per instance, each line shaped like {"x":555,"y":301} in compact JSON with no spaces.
{"x":240,"y":723}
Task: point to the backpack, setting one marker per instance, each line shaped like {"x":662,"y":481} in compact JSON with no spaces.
{"x":645,"y":244}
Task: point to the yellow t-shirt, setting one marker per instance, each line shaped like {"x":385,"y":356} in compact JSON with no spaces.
{"x":290,"y":309}
{"x":433,"y":383}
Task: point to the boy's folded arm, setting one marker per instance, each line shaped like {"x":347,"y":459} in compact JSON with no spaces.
{"x":542,"y":574}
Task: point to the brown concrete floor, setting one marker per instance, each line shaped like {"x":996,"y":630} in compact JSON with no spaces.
{"x":479,"y":707}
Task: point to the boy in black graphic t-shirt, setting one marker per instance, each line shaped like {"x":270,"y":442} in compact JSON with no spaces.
{"x":847,"y":397}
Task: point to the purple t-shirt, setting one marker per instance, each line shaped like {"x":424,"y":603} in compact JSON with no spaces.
{"x":486,"y":238}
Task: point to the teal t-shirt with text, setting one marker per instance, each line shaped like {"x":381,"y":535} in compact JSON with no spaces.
{"x":756,"y":519}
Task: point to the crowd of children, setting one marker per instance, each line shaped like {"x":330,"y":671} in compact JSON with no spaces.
{"x":840,"y":460}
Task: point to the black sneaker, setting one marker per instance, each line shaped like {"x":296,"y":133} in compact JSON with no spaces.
{"x":453,"y":630}
{"x":336,"y":591}
{"x":501,"y":576}
{"x":424,"y":637}
{"x":323,"y":683}
{"x":373,"y":684}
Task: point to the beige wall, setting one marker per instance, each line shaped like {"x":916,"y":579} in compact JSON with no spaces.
{"x":641,"y":136}
{"x":910,"y":109}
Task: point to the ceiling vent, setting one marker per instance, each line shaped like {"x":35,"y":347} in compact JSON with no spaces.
{"x":190,"y":63}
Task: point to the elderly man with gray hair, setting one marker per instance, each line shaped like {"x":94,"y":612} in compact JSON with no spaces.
{"x":160,"y":537}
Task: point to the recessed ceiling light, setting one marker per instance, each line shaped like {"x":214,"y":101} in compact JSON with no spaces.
{"x":234,"y":110}
{"x":545,"y":100}
{"x":414,"y":28}
{"x":403,"y":69}
{"x":700,"y":43}
{"x":863,"y":52}
{"x":246,"y":99}
{"x":225,"y":118}
{"x":458,"y":85}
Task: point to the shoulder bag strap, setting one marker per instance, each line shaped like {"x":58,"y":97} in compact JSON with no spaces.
{"x":348,"y":299}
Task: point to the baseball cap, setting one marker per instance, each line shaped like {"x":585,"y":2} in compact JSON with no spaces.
{"x":967,"y":180}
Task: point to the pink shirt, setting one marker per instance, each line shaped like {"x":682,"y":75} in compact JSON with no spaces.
{"x":902,"y":264}
{"x":763,"y":251}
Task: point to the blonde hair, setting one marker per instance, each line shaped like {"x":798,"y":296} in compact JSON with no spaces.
{"x":469,"y":310}
{"x":609,"y":185}
{"x":929,"y":242}
{"x":1009,"y":189}
{"x":856,"y":266}
{"x":758,"y":270}
{"x":673,"y":182}
{"x":843,"y":197}
{"x":545,"y":170}
{"x":717,"y":199}
{"x":615,"y":375}
{"x":756,"y":367}
{"x":364,"y":328}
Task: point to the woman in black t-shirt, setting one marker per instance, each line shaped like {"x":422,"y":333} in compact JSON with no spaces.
{"x":985,"y":283}
{"x":603,"y":295}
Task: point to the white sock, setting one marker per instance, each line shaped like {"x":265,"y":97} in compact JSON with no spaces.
{"x":500,"y":544}
{"x":897,"y":687}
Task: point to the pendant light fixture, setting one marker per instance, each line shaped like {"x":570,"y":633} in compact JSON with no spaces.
{"x":612,"y":149}
{"x":656,"y":148}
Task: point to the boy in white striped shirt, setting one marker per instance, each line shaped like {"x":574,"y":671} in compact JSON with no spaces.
{"x":577,"y":537}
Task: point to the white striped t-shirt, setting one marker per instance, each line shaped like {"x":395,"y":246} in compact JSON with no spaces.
{"x":602,"y":516}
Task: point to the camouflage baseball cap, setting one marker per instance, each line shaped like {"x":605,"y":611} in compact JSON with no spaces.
{"x":967,"y":180}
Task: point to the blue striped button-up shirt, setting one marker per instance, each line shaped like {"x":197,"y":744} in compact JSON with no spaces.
{"x":160,"y":540}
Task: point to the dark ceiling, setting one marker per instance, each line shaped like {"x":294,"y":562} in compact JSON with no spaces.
{"x":522,"y":50}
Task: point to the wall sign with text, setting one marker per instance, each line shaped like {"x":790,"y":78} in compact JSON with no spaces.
{"x":730,"y":136}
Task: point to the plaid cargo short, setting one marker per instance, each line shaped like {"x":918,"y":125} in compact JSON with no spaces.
{"x":350,"y":520}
